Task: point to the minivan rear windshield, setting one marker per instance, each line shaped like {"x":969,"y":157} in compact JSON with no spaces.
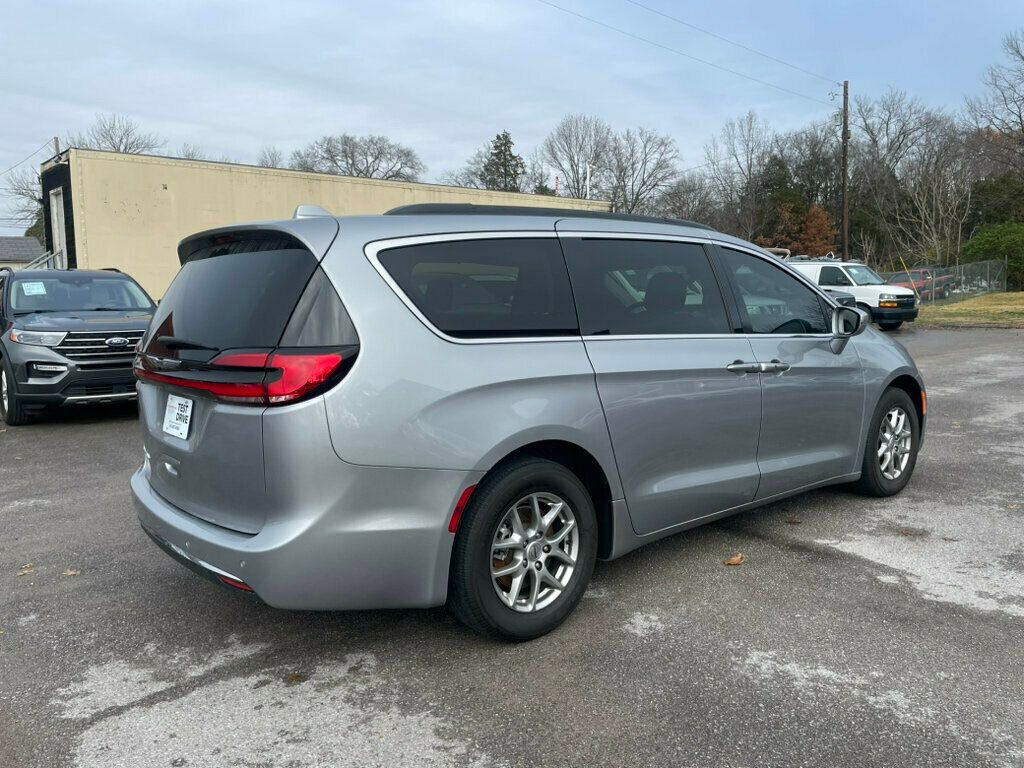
{"x":76,"y":292}
{"x":236,"y":295}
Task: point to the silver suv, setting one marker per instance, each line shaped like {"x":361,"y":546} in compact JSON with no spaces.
{"x":470,"y":405}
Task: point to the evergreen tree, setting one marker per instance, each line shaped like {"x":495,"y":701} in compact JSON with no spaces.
{"x":503,"y":170}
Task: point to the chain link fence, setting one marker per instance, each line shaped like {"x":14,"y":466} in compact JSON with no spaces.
{"x":954,"y":283}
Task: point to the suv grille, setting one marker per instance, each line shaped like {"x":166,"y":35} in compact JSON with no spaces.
{"x":92,"y":347}
{"x":906,"y":301}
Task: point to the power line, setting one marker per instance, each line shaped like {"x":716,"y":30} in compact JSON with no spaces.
{"x":733,"y":42}
{"x":8,"y":170}
{"x":683,"y":53}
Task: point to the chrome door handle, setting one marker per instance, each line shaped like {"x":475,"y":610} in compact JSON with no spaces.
{"x":775,"y":366}
{"x":741,"y":367}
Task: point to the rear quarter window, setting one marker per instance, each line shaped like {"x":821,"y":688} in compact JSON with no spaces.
{"x":487,"y":288}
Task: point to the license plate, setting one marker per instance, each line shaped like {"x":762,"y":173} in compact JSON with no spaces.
{"x":178,"y":416}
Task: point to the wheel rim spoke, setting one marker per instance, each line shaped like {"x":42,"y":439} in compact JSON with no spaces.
{"x":560,"y":536}
{"x":534,"y":550}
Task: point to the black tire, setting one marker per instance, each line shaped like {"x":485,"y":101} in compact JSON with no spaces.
{"x":14,"y":414}
{"x":945,"y":291}
{"x":890,"y":326}
{"x":872,"y":481}
{"x":471,"y":594}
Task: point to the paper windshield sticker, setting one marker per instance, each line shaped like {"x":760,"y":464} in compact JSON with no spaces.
{"x":33,"y":289}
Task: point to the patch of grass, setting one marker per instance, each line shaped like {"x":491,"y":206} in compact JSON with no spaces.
{"x":993,"y":310}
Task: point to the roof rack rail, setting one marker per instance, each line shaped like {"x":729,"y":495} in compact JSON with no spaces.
{"x":111,"y":269}
{"x":472,"y":209}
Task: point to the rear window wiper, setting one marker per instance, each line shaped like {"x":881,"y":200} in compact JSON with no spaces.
{"x":176,"y":342}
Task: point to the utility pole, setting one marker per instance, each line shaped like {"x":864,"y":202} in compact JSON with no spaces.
{"x":846,"y":174}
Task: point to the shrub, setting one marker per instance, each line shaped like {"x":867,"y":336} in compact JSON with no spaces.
{"x":997,"y":242}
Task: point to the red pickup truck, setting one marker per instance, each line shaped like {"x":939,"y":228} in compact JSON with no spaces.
{"x":929,"y":282}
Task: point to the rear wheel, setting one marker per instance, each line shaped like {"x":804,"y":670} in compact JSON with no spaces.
{"x":890,"y":326}
{"x":524,"y":552}
{"x":945,"y":291}
{"x":12,"y":410}
{"x":890,"y":451}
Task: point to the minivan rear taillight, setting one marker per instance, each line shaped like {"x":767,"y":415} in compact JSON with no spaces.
{"x":256,"y":378}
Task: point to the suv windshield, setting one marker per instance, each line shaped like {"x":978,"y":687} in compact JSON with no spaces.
{"x":76,"y":292}
{"x":864,"y":275}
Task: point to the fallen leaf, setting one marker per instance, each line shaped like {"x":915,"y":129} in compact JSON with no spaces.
{"x":793,"y":521}
{"x":1013,"y":506}
{"x":26,"y":569}
{"x":295,"y":677}
{"x":71,"y":572}
{"x":738,"y":559}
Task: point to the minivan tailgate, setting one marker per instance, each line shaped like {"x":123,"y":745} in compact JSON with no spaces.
{"x":216,"y":473}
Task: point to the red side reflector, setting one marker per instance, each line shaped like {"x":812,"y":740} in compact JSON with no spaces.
{"x":235,"y":583}
{"x":460,"y":507}
{"x":924,"y":403}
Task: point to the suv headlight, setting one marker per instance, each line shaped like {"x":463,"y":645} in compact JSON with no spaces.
{"x":37,"y":338}
{"x":886,"y":297}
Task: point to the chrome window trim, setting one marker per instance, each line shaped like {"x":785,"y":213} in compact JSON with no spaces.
{"x":373,"y":249}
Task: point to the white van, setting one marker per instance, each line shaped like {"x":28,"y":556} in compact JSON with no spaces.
{"x":890,"y":305}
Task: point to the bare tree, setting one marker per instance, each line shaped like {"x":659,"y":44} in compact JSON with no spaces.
{"x":937,"y":179}
{"x":691,"y":197}
{"x":117,"y":133}
{"x":999,"y":113}
{"x":471,"y":174}
{"x":25,"y":195}
{"x":641,"y":164}
{"x":735,"y":163}
{"x":190,"y":151}
{"x":372,"y":156}
{"x":578,"y":141}
{"x":270,"y":157}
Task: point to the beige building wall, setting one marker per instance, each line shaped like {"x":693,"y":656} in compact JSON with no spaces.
{"x":12,"y":264}
{"x":131,"y":211}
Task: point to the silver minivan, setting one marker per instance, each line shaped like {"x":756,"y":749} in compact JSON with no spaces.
{"x":469,"y":405}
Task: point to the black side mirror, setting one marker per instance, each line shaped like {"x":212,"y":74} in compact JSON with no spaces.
{"x":847,"y":322}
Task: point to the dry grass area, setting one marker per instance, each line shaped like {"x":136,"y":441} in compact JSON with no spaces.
{"x":993,"y":310}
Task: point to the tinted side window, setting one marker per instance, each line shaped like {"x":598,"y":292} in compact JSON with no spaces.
{"x":833,"y":276}
{"x":487,"y":288}
{"x":776,"y":302}
{"x":644,"y":287}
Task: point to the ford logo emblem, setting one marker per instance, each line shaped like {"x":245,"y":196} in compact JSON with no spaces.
{"x":117,"y":341}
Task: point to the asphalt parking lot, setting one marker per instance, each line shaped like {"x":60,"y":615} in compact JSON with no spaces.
{"x":858,"y":632}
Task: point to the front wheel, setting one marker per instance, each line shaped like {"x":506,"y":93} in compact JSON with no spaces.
{"x":524,"y":551}
{"x":890,"y":326}
{"x":12,"y":410}
{"x":890,"y":451}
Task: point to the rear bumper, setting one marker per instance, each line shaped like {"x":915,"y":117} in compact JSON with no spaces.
{"x":381,"y":542}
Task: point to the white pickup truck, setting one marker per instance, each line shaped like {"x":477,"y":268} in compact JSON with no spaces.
{"x":890,"y":305}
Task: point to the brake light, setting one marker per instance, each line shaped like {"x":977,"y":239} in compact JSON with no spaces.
{"x":276,"y":377}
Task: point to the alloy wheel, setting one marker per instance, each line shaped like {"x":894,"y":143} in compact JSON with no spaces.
{"x":3,"y":389}
{"x":534,"y":551}
{"x":895,"y":441}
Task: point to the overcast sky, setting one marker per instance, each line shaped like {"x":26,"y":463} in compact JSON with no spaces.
{"x":444,"y":77}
